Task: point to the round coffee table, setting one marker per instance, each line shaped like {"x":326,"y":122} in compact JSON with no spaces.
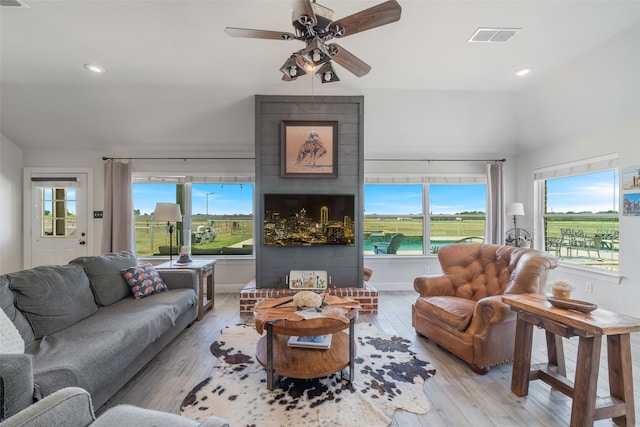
{"x":279,"y":359}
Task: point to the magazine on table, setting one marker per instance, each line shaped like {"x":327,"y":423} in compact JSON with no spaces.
{"x":315,"y":341}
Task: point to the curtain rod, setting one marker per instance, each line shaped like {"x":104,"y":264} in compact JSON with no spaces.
{"x":178,"y":158}
{"x":436,"y":160}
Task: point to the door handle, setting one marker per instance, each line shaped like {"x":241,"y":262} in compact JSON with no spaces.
{"x":82,"y":242}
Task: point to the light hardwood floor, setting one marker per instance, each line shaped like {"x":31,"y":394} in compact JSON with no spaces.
{"x":457,"y":396}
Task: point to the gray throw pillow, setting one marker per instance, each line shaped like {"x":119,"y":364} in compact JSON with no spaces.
{"x":52,"y":297}
{"x":104,"y":273}
{"x":7,"y":305}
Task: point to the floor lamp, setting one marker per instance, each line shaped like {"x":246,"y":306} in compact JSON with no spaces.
{"x":169,"y":212}
{"x":515,"y":210}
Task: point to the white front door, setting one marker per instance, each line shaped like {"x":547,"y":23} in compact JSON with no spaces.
{"x":57,"y":214}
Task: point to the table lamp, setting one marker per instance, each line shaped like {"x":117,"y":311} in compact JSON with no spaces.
{"x":169,"y":212}
{"x":515,"y":210}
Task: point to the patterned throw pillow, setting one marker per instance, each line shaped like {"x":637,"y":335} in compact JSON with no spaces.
{"x":144,"y":280}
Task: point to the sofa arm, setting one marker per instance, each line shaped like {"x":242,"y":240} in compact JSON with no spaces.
{"x":70,"y":407}
{"x":489,"y":311}
{"x":16,"y":383}
{"x":434,"y":285}
{"x":180,"y":279}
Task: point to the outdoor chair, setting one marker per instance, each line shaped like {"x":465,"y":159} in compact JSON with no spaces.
{"x":390,"y":247}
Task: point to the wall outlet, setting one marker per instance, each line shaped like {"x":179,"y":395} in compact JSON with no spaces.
{"x":588,"y":286}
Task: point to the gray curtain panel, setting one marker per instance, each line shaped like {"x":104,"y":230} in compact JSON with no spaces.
{"x":494,"y":228}
{"x":118,"y":233}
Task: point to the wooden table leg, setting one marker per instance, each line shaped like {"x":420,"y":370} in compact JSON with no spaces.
{"x":201,"y":295}
{"x":522,"y":358}
{"x":555,"y":353}
{"x":271,"y":376}
{"x":583,"y":409}
{"x":621,"y":376}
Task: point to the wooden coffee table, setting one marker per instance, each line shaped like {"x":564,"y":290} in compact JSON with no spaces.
{"x":279,"y":359}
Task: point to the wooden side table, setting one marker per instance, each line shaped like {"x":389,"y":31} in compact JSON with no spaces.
{"x":206,"y":273}
{"x":535,"y":310}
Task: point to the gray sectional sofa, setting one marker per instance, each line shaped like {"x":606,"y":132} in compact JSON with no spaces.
{"x":83,"y":328}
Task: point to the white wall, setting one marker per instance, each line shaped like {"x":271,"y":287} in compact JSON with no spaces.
{"x":11,"y":212}
{"x":590,"y":107}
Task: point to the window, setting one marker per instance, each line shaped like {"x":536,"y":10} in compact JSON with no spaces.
{"x":580,"y":218}
{"x":59,"y":212}
{"x":456,"y":212}
{"x":217,"y":217}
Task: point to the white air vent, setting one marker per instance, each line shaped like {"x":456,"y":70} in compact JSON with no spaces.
{"x":12,"y":3}
{"x":493,"y":35}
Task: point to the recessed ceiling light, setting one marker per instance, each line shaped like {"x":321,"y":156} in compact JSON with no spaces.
{"x":523,"y":71}
{"x":94,"y":68}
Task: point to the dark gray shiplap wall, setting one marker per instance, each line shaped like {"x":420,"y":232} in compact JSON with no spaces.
{"x":343,"y":263}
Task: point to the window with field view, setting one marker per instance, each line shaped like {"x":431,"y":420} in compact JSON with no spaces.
{"x":428,"y":216}
{"x":581,"y":218}
{"x":217,"y":218}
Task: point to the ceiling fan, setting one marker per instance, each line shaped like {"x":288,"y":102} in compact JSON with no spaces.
{"x":313,"y":24}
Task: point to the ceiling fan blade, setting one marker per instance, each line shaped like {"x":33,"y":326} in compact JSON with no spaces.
{"x":351,"y":62}
{"x":302,"y":8}
{"x":258,"y":34}
{"x":376,"y":16}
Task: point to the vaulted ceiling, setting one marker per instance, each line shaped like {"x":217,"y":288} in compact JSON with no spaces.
{"x":175,"y":80}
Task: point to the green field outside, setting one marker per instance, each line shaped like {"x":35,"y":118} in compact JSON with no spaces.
{"x":235,"y":236}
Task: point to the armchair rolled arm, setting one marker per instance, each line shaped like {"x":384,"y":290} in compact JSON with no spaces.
{"x":16,"y":383}
{"x":70,"y":406}
{"x":489,"y":311}
{"x":434,"y":285}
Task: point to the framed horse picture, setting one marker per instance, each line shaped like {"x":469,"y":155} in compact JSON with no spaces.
{"x":309,"y":149}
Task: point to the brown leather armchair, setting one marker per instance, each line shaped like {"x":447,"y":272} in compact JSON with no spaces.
{"x":461,"y":309}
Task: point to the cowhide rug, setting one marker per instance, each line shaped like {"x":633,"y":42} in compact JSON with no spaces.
{"x":388,"y":376}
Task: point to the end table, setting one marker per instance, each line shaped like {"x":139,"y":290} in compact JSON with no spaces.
{"x":206,"y":272}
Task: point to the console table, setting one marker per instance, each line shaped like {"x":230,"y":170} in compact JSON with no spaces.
{"x":535,"y":310}
{"x":206,"y":273}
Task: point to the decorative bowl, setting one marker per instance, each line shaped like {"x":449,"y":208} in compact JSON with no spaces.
{"x":572,"y":304}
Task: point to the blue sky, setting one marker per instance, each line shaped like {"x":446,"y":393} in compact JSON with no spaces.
{"x":595,"y":192}
{"x":222,"y":199}
{"x":407,"y":199}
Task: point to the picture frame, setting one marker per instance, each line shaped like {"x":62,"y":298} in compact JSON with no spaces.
{"x":309,"y":149}
{"x":308,"y":279}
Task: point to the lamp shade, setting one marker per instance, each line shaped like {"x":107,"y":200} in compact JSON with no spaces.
{"x":169,"y":212}
{"x":515,"y":209}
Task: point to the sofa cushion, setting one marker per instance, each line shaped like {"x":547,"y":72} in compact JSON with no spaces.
{"x":144,"y":280}
{"x":91,"y":353}
{"x":107,"y":283}
{"x":7,"y":302}
{"x":452,"y":311}
{"x":52,"y":297}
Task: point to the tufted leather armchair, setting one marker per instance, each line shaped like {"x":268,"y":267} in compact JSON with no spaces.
{"x":461,"y":309}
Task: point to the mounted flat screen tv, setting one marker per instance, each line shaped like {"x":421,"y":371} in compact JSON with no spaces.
{"x":308,"y":219}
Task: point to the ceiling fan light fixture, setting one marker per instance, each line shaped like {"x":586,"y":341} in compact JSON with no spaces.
{"x":292,"y":68}
{"x":316,"y":52}
{"x":326,"y":73}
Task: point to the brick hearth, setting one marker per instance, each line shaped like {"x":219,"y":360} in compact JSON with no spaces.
{"x":367,"y":296}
